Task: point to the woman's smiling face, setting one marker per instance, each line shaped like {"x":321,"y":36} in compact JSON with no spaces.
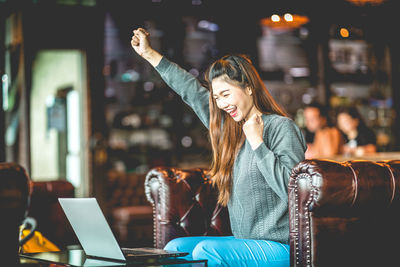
{"x":237,"y":102}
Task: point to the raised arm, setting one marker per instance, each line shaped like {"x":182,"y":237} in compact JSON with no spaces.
{"x":181,"y":81}
{"x":141,"y":44}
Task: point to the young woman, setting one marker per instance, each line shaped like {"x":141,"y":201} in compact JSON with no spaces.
{"x":359,"y":139}
{"x":255,"y":146}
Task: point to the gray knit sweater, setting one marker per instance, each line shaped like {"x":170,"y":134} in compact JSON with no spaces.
{"x":258,"y":207}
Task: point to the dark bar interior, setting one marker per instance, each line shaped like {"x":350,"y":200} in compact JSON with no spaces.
{"x":86,"y":116}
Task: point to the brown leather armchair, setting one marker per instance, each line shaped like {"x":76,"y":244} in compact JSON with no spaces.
{"x":14,"y":201}
{"x":184,"y":204}
{"x":20,"y":198}
{"x":344,"y":214}
{"x":341,"y":213}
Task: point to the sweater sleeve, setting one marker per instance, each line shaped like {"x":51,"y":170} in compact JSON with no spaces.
{"x":187,"y":86}
{"x":283,"y":147}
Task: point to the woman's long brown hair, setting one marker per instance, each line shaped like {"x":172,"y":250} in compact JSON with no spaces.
{"x":226,"y":135}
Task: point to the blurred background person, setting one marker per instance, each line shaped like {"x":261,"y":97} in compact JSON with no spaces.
{"x":322,"y":137}
{"x":359,"y":139}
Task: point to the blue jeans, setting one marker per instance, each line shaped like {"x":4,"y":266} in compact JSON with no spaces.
{"x":231,"y":251}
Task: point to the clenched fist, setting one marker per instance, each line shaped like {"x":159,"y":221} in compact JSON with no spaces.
{"x":253,"y":129}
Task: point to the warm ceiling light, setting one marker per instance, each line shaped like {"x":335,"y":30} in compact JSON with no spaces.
{"x":289,"y":22}
{"x":275,"y":18}
{"x":344,"y":32}
{"x":366,"y":2}
{"x":288,"y":17}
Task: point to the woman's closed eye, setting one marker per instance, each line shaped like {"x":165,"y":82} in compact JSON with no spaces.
{"x":223,"y":96}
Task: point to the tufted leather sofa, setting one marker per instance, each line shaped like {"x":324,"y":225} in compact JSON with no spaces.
{"x":45,"y":208}
{"x":129,"y":213}
{"x":345,"y":214}
{"x":184,"y":204}
{"x":341,"y":213}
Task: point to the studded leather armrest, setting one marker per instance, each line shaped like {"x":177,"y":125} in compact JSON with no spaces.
{"x":184,"y":204}
{"x":344,"y":213}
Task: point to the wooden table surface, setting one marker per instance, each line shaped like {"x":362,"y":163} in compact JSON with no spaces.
{"x":374,"y":157}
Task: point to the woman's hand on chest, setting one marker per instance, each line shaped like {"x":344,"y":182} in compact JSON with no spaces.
{"x":253,"y":129}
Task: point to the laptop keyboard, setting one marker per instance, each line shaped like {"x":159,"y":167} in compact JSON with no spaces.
{"x":135,"y":251}
{"x":142,"y":251}
{"x":151,"y":253}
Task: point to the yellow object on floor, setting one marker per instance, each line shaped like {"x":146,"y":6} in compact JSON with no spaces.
{"x":37,"y":243}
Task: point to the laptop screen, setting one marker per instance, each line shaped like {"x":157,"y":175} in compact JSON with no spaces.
{"x":91,"y":228}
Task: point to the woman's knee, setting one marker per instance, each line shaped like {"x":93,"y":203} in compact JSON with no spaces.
{"x":210,"y":250}
{"x":184,"y":244}
{"x":175,"y":244}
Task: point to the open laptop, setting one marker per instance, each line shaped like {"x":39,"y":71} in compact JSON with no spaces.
{"x":95,"y":235}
